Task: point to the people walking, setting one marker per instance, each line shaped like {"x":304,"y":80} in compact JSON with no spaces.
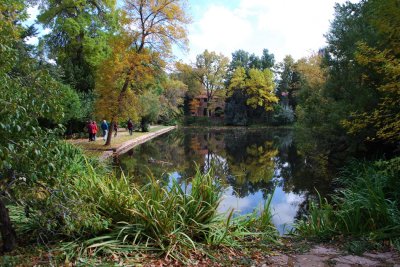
{"x":130,"y":126}
{"x":94,"y":130}
{"x":89,"y":127}
{"x":104,"y":128}
{"x":115,"y":126}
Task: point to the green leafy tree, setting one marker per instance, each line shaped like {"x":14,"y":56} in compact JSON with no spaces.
{"x":171,"y":100}
{"x":240,"y":106}
{"x":241,"y":58}
{"x":78,"y":37}
{"x":350,"y":108}
{"x":29,"y":95}
{"x":288,"y":83}
{"x":149,"y":109}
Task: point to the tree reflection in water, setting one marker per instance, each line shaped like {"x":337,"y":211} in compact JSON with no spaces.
{"x":250,"y":163}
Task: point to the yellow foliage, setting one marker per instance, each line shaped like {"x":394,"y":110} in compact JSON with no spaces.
{"x":194,"y":105}
{"x":121,"y":78}
{"x":311,"y":71}
{"x":385,"y":117}
{"x":158,"y":23}
{"x":258,"y":165}
{"x":258,"y":87}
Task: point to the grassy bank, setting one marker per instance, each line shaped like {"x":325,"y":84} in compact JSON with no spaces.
{"x":366,"y":209}
{"x":88,"y":214}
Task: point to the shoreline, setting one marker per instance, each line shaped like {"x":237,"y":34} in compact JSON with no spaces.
{"x":128,"y":145}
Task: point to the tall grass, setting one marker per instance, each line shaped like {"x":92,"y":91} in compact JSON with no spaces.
{"x":172,"y":220}
{"x":367,"y":205}
{"x":91,"y":210}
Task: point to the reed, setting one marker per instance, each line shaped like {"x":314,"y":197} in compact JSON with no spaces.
{"x":366,"y":206}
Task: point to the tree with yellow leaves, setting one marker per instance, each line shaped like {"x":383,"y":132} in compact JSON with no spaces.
{"x":149,"y":28}
{"x":381,"y":73}
{"x":119,"y":81}
{"x":258,"y":87}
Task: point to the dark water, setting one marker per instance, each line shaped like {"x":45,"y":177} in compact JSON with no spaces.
{"x":249,"y":163}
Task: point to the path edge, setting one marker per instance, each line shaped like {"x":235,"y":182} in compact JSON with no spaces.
{"x":128,"y":145}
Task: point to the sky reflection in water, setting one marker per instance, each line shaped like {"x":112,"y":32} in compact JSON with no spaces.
{"x":249,"y":164}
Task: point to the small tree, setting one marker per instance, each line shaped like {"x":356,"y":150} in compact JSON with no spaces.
{"x":211,"y":70}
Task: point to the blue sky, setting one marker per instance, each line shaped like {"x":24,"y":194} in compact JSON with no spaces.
{"x":294,"y":27}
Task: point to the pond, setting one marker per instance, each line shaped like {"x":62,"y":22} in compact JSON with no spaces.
{"x":250,"y":164}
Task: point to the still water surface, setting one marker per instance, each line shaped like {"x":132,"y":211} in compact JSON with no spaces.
{"x":250,"y":163}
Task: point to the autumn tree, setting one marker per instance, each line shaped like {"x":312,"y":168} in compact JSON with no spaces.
{"x":258,"y":86}
{"x":316,"y":115}
{"x":186,"y":74}
{"x":210,"y":70}
{"x":381,"y":71}
{"x":242,"y":104}
{"x":116,"y":96}
{"x":150,"y":28}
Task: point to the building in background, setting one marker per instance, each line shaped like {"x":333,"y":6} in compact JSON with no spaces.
{"x":201,"y":105}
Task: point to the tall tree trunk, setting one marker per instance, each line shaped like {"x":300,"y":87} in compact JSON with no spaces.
{"x":7,"y":231}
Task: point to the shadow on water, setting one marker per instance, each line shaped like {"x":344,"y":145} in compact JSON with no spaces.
{"x":250,"y":163}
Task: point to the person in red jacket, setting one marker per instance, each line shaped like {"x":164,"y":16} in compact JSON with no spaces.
{"x":94,"y":125}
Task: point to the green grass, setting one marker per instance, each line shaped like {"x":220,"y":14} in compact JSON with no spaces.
{"x":367,"y":207}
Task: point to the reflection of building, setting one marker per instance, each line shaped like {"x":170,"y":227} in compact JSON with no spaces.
{"x":202,"y":144}
{"x":200,"y":105}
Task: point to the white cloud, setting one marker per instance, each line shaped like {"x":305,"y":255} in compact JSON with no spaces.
{"x":282,"y":26}
{"x":33,"y":12}
{"x":220,"y":30}
{"x":32,"y":40}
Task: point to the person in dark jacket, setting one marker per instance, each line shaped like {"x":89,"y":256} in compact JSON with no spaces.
{"x":130,"y":126}
{"x":115,"y":126}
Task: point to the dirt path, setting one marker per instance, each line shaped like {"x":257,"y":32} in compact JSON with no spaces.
{"x":128,"y":145}
{"x":322,"y":255}
{"x":120,"y":144}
